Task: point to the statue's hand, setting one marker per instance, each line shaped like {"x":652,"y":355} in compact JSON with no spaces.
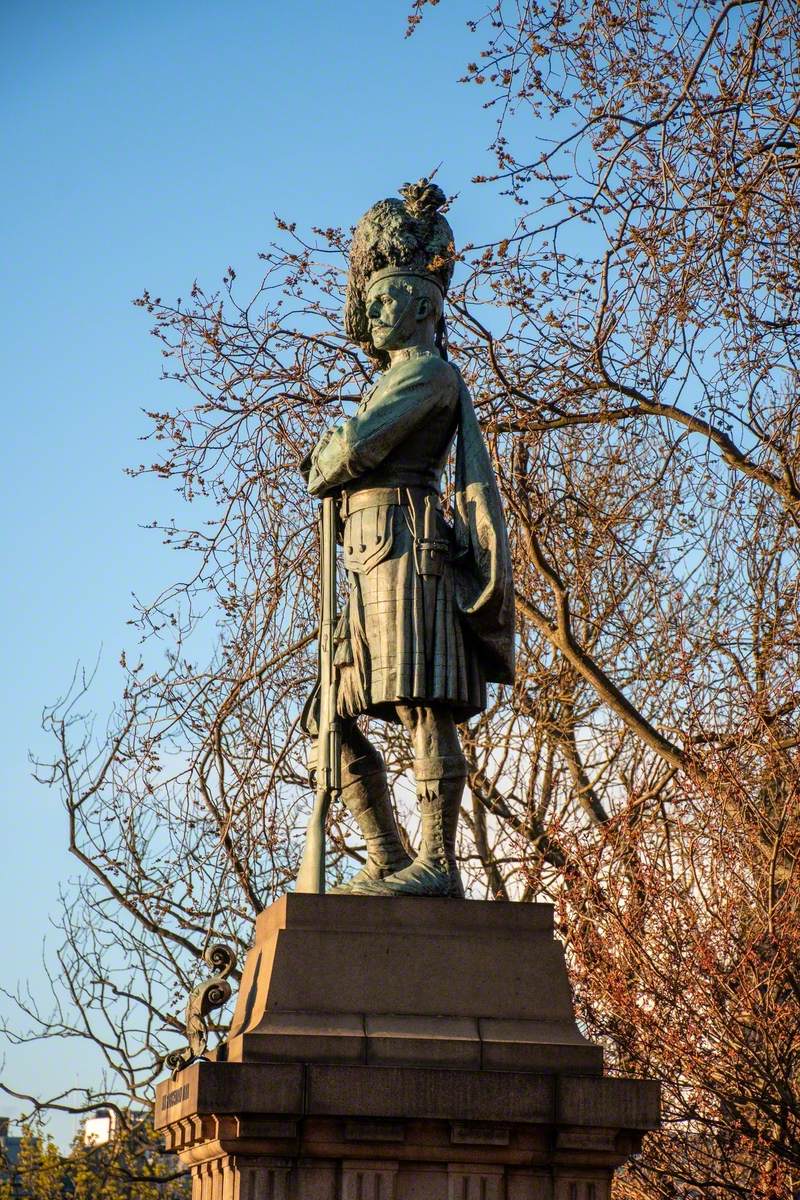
{"x":315,"y":480}
{"x":306,"y":465}
{"x":309,"y":720}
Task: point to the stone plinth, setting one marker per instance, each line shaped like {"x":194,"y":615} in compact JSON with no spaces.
{"x":404,"y":1049}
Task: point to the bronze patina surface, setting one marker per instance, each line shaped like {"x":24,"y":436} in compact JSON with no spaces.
{"x":430,"y":612}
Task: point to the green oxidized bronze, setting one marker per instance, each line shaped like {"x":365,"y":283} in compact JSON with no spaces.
{"x":429,"y":618}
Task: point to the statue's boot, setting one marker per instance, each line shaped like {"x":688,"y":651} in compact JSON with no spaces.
{"x":365,"y":791}
{"x":434,"y":872}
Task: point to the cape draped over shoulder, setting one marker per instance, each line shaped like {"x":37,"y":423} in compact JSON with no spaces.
{"x":484,"y":578}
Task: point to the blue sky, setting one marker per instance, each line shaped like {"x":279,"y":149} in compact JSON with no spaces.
{"x":146,"y":145}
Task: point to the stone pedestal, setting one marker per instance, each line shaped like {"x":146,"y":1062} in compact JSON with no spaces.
{"x":404,"y":1049}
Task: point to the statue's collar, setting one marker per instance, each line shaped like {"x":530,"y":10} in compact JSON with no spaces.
{"x":413,"y":352}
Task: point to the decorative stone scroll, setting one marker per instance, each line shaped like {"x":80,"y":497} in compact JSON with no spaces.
{"x":203,"y":999}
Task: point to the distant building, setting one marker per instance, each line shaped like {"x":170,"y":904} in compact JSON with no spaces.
{"x":101,"y":1128}
{"x":9,"y":1146}
{"x":9,"y":1155}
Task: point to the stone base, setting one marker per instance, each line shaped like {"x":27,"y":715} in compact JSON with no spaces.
{"x":384,"y":1181}
{"x":408,"y":981}
{"x":404,"y":1049}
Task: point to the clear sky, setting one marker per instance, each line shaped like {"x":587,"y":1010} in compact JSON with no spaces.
{"x":145,"y":145}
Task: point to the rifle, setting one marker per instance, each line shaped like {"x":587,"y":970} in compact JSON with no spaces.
{"x":328,"y":782}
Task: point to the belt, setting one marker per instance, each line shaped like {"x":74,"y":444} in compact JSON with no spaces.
{"x":373,"y":497}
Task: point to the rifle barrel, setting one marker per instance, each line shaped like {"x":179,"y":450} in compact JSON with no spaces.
{"x":311,"y":876}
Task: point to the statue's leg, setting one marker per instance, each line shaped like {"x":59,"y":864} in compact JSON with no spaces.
{"x":365,"y":792}
{"x":440,"y":771}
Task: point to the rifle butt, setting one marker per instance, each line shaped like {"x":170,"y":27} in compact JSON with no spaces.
{"x":311,"y":876}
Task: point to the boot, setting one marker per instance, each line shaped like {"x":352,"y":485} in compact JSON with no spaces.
{"x":434,"y":872}
{"x":366,"y":796}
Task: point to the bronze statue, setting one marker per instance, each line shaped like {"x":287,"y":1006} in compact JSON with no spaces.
{"x":430,"y":613}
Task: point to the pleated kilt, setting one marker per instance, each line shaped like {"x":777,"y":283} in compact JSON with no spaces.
{"x":400,"y":639}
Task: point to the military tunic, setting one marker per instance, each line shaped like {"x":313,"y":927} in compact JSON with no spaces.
{"x":400,"y":639}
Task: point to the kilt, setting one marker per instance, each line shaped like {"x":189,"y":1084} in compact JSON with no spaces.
{"x":400,"y":639}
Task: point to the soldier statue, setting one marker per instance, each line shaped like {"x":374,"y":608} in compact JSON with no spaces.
{"x":429,"y":617}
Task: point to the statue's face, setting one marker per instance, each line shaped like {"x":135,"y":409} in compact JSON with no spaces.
{"x":393,"y":312}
